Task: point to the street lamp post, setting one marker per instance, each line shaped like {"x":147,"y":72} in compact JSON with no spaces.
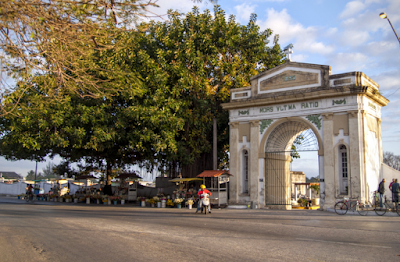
{"x":384,"y":16}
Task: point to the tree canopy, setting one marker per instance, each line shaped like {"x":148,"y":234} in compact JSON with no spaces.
{"x":186,"y":67}
{"x":205,"y":55}
{"x":59,"y":37}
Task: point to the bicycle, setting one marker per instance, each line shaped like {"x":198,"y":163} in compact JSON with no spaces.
{"x":29,"y":197}
{"x":386,"y":206}
{"x":343,"y":206}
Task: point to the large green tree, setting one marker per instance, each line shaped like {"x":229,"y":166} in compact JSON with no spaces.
{"x":186,"y":68}
{"x":205,"y":55}
{"x":130,"y":126}
{"x":59,"y":37}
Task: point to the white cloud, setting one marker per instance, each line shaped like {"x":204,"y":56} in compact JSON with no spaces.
{"x":345,"y":62}
{"x":331,"y":31}
{"x":388,"y":82}
{"x":352,"y":8}
{"x":299,"y":58}
{"x":304,"y":39}
{"x":354,"y":37}
{"x":244,"y":11}
{"x":182,"y":6}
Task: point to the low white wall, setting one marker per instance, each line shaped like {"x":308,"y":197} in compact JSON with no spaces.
{"x":388,"y":173}
{"x":19,"y":188}
{"x":12,"y":189}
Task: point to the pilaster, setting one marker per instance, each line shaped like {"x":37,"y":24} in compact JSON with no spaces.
{"x":234,"y":181}
{"x":355,"y":154}
{"x":380,"y":142}
{"x":329,"y":163}
{"x":254,"y":167}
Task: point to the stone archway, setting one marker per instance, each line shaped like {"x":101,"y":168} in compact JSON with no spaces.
{"x":287,"y":119}
{"x":338,"y":109}
{"x":277,"y":145}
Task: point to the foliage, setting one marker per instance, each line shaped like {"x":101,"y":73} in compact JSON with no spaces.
{"x":170,"y":203}
{"x":128,"y":128}
{"x":64,"y":168}
{"x":391,"y":160}
{"x":315,"y":188}
{"x":203,"y":55}
{"x":297,"y":142}
{"x":156,"y":199}
{"x":178,"y":200}
{"x":186,"y":68}
{"x":58,"y":38}
{"x":302,"y":202}
{"x":115,"y":198}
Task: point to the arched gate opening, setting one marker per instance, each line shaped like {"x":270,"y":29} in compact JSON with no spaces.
{"x":283,"y":143}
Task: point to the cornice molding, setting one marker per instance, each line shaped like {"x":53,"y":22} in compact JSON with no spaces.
{"x":307,"y":95}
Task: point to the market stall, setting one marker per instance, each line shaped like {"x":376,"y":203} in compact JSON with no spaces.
{"x":216,"y":182}
{"x":186,"y":186}
{"x":88,"y":188}
{"x":128,"y":185}
{"x":60,"y":187}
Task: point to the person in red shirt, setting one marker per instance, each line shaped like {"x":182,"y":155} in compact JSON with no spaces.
{"x":199,"y":194}
{"x":29,"y":189}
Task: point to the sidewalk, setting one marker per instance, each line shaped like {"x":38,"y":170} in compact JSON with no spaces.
{"x":15,"y":200}
{"x":370,"y":213}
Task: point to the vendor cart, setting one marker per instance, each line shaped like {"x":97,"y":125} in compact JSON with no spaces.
{"x":128,"y":184}
{"x":60,"y":187}
{"x":216,"y":182}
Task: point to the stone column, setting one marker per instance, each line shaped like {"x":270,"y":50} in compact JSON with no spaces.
{"x":380,"y":142}
{"x":355,"y":154}
{"x":254,"y":172}
{"x":321,"y":181}
{"x":329,"y":161}
{"x":234,"y":182}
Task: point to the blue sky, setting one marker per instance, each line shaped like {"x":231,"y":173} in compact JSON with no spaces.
{"x":347,"y":35}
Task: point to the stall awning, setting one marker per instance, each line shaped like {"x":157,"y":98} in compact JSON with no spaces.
{"x":85,"y":177}
{"x":185,"y":179}
{"x":214,"y":173}
{"x":133,"y":176}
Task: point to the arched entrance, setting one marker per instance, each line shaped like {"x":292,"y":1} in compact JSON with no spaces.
{"x":283,"y":141}
{"x":283,"y":102}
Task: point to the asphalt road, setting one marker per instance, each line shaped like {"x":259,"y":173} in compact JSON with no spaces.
{"x":79,"y":232}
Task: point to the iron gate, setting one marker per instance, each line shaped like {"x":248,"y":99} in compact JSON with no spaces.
{"x":277,"y":178}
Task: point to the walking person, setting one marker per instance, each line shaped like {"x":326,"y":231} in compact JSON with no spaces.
{"x":381,"y":190}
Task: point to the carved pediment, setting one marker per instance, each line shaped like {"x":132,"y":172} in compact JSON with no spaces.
{"x":289,"y":78}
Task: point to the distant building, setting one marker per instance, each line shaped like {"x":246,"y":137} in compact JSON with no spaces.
{"x":10,"y":175}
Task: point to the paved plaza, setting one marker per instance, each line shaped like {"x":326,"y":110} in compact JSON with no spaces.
{"x":50,"y":231}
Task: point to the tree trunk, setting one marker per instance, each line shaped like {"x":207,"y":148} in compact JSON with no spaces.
{"x":108,"y":188}
{"x":108,"y":173}
{"x":204,"y":162}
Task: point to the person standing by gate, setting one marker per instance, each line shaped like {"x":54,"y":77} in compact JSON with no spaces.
{"x":395,"y":190}
{"x":381,"y":189}
{"x":390,"y":187}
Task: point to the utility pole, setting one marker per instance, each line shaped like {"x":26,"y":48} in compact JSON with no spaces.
{"x":215,"y":157}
